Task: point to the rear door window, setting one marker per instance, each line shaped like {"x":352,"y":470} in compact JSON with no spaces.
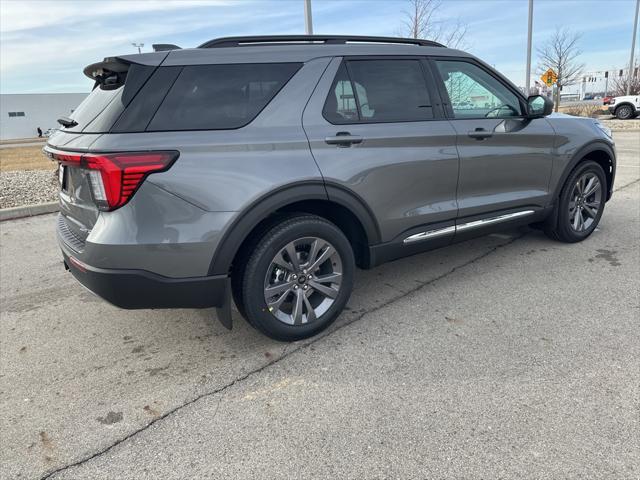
{"x":382,"y":91}
{"x":214,"y":97}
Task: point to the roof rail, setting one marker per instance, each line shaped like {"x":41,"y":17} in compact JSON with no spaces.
{"x":301,"y":39}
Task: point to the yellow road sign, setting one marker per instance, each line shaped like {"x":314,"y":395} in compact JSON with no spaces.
{"x":549,"y":77}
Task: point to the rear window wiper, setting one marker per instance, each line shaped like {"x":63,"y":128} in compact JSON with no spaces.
{"x":67,"y":122}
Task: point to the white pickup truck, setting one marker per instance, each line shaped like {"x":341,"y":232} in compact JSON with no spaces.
{"x":625,"y":107}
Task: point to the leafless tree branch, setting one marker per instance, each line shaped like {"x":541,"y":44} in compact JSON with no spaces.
{"x":560,"y":53}
{"x":620,"y":83}
{"x":421,"y":20}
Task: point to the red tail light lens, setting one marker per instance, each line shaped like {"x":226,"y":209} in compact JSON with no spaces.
{"x":115,"y":177}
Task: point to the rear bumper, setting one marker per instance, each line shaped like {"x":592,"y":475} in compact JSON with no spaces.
{"x":134,"y":289}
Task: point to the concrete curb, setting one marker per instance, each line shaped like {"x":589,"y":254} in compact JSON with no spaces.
{"x":27,"y":211}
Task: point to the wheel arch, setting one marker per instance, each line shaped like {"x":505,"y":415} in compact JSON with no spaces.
{"x":332,"y":202}
{"x":597,"y":151}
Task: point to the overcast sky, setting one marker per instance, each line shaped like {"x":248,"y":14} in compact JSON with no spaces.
{"x":45,"y":44}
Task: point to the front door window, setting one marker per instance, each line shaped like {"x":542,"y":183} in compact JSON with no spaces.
{"x":474,"y":93}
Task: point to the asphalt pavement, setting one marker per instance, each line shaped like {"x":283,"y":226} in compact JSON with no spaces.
{"x":509,"y":356}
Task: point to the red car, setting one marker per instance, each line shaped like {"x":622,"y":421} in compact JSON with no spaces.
{"x":607,"y":100}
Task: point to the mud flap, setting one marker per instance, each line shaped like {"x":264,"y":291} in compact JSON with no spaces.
{"x":224,"y":311}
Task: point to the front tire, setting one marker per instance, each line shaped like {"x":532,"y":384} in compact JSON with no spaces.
{"x":298,"y":278}
{"x":624,"y":112}
{"x":581,"y":204}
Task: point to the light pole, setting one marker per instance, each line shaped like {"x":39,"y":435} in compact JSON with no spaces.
{"x":308,"y":21}
{"x":138,"y":46}
{"x":528,"y":82}
{"x":633,"y":46}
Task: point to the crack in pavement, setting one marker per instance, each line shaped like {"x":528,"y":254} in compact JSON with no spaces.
{"x":298,"y":348}
{"x":627,"y":185}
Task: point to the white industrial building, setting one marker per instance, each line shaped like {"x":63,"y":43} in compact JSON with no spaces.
{"x":21,"y":114}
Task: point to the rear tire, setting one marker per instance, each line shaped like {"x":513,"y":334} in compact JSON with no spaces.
{"x":624,"y":112}
{"x":580,"y":206}
{"x":298,"y":278}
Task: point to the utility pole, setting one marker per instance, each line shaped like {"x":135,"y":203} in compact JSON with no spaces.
{"x":308,"y":21}
{"x":530,"y":32}
{"x":138,"y":46}
{"x":633,"y":46}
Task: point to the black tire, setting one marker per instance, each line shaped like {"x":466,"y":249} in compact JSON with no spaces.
{"x":624,"y":112}
{"x":259,"y":269}
{"x":240,"y":264}
{"x":561,"y":227}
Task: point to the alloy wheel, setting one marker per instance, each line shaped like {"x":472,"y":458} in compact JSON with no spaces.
{"x":303,"y":280}
{"x":624,"y":112}
{"x":585,"y":202}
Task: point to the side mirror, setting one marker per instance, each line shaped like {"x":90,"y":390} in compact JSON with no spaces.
{"x":539,"y":106}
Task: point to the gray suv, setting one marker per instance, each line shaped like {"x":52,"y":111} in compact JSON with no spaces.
{"x":264,"y":169}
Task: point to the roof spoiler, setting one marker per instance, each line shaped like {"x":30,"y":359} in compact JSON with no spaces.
{"x":110,"y":71}
{"x":121,"y":63}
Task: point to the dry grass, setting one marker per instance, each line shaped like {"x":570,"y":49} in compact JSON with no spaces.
{"x":23,"y":140}
{"x":24,"y":158}
{"x":584,"y":110}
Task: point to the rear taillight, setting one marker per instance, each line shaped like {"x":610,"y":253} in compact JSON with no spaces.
{"x":115,"y":177}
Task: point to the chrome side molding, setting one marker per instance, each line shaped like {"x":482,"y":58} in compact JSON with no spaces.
{"x":491,"y":220}
{"x":418,"y":237}
{"x":430,"y":234}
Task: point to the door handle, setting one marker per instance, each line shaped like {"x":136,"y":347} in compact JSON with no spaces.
{"x":480,"y":134}
{"x":343,"y":139}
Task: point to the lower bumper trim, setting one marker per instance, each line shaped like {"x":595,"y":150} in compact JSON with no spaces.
{"x":135,"y":289}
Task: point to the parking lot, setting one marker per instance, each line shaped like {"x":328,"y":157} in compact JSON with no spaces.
{"x":510,"y":356}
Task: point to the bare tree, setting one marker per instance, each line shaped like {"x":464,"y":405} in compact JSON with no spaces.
{"x":560,"y":53}
{"x":620,"y":83}
{"x":421,"y":20}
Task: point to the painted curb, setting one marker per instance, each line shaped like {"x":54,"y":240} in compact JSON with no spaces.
{"x":28,"y":211}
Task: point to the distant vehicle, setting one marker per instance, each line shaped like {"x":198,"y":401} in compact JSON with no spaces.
{"x":625,"y":107}
{"x":588,"y":97}
{"x":264,"y":169}
{"x":607,"y":100}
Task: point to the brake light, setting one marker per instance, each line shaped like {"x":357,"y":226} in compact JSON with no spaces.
{"x":115,"y":177}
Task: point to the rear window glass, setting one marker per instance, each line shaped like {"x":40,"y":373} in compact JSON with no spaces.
{"x":102,"y":107}
{"x":91,"y":108}
{"x":213,"y":97}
